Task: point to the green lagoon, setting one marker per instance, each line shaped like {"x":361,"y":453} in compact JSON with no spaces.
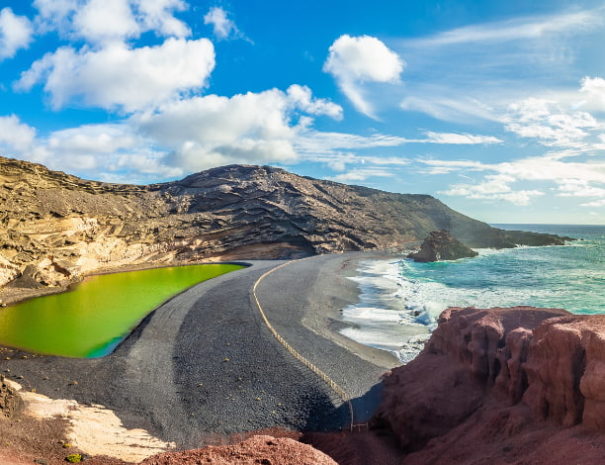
{"x":91,"y":320}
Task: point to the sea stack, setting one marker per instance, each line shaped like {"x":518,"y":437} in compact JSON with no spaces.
{"x":441,"y":245}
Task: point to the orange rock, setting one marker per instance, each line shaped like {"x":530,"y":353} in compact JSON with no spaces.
{"x":263,"y":450}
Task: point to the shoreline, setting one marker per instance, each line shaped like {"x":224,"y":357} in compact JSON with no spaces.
{"x":21,"y":294}
{"x":179,"y":376}
{"x":326,"y":319}
{"x":381,"y":317}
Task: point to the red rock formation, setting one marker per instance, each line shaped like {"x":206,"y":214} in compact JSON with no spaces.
{"x":515,"y":386}
{"x":265,"y":450}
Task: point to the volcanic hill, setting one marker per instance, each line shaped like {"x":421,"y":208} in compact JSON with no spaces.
{"x":55,"y":228}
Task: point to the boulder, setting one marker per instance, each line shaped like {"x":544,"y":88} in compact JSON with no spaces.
{"x":441,"y":245}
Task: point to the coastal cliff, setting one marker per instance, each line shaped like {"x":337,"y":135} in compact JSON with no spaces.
{"x":517,"y":385}
{"x":55,"y":228}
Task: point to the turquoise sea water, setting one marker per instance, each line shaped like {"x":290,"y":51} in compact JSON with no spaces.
{"x":400,"y":300}
{"x":570,"y":276}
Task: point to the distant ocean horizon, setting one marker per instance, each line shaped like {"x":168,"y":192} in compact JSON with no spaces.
{"x":400,"y":299}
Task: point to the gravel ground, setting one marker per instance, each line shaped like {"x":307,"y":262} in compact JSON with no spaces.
{"x":204,"y":364}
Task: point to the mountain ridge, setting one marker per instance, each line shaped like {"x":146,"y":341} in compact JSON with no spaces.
{"x":56,"y":228}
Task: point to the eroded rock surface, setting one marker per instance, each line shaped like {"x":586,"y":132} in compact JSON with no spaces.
{"x":257,"y":450}
{"x":55,"y":228}
{"x":441,"y":245}
{"x":507,"y":385}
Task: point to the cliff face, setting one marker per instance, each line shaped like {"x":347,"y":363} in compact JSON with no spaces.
{"x":440,"y":245}
{"x":55,"y":227}
{"x":518,"y":385}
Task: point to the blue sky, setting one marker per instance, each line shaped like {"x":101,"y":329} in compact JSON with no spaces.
{"x":496,"y":108}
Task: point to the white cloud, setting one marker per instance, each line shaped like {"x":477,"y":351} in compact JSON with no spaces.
{"x":177,"y":137}
{"x":474,"y":72}
{"x":15,"y":136}
{"x":106,"y":20}
{"x":354,"y":61}
{"x":571,"y":178}
{"x":361,"y":174}
{"x":15,"y":33}
{"x":594,"y":89}
{"x":579,"y":188}
{"x":102,"y":21}
{"x":594,"y":203}
{"x":550,"y":124}
{"x":494,"y":187}
{"x":222,"y":27}
{"x":301,"y":97}
{"x":449,"y":109}
{"x":118,"y":77}
{"x":207,"y":131}
{"x":532,"y":27}
{"x":157,"y":15}
{"x":460,"y":139}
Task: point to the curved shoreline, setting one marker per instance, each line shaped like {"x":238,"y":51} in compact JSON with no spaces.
{"x":32,"y":293}
{"x":203,"y":364}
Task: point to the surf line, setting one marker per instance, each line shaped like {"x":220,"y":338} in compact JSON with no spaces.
{"x":297,"y":355}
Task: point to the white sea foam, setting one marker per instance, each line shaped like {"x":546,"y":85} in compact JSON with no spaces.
{"x":397,"y":313}
{"x":383,"y":318}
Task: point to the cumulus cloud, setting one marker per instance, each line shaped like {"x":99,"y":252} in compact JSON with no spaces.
{"x":120,"y":77}
{"x":594,"y":89}
{"x":101,"y":21}
{"x":180,"y":136}
{"x":98,"y":150}
{"x":246,"y":128}
{"x":158,"y":16}
{"x":15,"y":135}
{"x":353,"y":61}
{"x":15,"y":33}
{"x":301,"y":97}
{"x":547,"y":122}
{"x":106,"y":20}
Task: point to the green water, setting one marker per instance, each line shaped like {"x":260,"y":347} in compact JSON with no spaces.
{"x":91,"y":319}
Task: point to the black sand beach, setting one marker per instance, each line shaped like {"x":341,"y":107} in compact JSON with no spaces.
{"x":205,"y":363}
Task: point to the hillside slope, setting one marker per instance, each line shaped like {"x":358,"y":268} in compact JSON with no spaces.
{"x":55,"y":227}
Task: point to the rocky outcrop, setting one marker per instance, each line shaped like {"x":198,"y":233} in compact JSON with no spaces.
{"x":9,"y":401}
{"x":257,"y":450}
{"x":55,"y":228}
{"x":440,"y":245}
{"x":516,"y":385}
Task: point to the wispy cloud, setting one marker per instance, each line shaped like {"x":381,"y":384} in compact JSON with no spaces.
{"x":223,"y":27}
{"x":473,"y":72}
{"x":528,"y":27}
{"x":510,"y":180}
{"x":361,"y":174}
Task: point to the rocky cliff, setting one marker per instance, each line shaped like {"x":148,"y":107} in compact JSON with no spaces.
{"x":440,"y":245}
{"x":502,"y":386}
{"x":54,"y":227}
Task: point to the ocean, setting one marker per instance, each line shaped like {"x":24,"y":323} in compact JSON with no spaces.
{"x":400,"y":300}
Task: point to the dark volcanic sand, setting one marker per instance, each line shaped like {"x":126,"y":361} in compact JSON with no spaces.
{"x":205,"y":363}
